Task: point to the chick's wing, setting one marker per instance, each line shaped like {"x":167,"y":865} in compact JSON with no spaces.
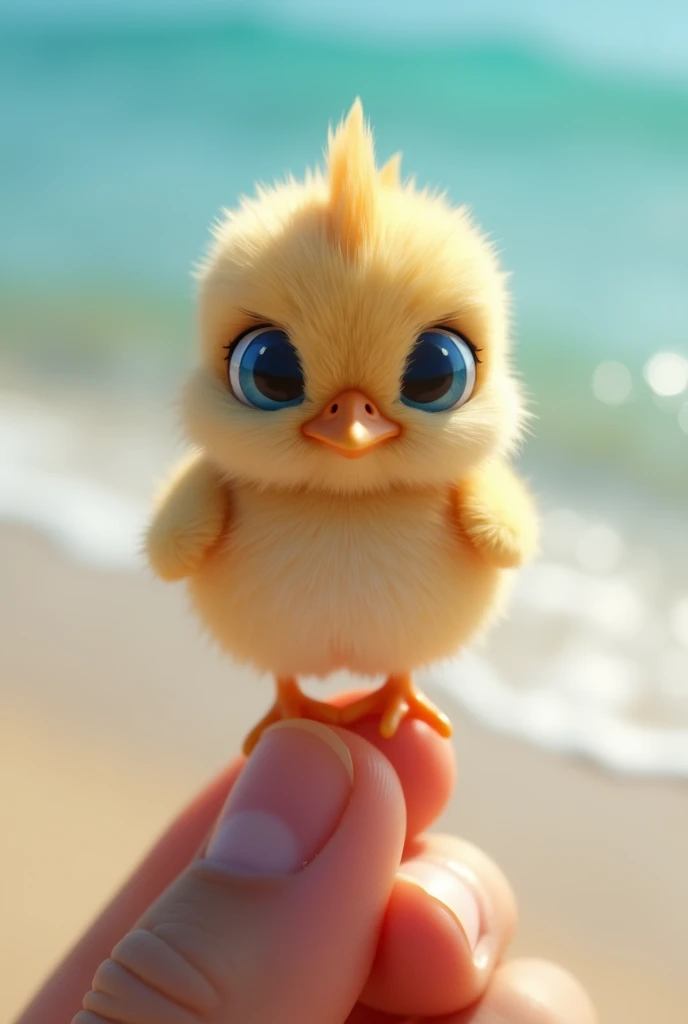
{"x":190,"y":516}
{"x":496,"y":513}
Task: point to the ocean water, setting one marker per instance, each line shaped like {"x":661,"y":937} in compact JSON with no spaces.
{"x":123,"y":136}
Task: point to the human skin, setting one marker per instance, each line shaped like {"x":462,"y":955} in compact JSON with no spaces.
{"x":405,"y":925}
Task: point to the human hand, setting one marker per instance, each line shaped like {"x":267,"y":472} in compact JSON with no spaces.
{"x":223,"y":922}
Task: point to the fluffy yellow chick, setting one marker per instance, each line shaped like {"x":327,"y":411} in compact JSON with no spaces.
{"x":348,"y":504}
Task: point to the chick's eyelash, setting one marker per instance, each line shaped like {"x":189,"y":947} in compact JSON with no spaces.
{"x":474,"y":349}
{"x":231,"y":345}
{"x":447,"y":326}
{"x":442,"y":326}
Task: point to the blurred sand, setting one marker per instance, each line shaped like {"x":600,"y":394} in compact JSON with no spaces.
{"x":113,"y":711}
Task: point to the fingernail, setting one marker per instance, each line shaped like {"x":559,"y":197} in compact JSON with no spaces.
{"x":287,"y":802}
{"x":445,"y":883}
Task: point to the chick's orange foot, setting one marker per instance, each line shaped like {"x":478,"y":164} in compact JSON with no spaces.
{"x":396,"y":700}
{"x":290,"y":702}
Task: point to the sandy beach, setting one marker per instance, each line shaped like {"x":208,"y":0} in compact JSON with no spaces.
{"x":113,"y":710}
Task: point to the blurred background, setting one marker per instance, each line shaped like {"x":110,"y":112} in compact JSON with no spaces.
{"x":126,"y":125}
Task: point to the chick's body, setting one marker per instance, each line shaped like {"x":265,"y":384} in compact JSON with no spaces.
{"x":305,"y":583}
{"x":349,"y":503}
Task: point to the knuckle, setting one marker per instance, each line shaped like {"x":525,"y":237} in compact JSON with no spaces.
{"x":147,"y":981}
{"x":151,"y":956}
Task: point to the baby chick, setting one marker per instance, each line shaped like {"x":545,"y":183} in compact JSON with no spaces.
{"x":348,"y":504}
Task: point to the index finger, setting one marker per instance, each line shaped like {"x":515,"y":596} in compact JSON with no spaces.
{"x":425,"y":766}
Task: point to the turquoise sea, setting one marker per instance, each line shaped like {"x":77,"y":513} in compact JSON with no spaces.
{"x":122,"y":138}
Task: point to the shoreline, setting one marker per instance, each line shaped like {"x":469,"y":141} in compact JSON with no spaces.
{"x":591,"y":657}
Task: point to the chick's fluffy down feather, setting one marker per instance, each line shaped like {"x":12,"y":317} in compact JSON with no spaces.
{"x":190,"y":516}
{"x":302,"y":562}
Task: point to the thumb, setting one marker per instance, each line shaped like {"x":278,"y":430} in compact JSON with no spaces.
{"x":279,"y":920}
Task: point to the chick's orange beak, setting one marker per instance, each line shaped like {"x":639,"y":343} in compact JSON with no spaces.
{"x":351,"y":424}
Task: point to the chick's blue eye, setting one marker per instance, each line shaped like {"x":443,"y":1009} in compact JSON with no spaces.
{"x":440,"y":373}
{"x":264,"y":370}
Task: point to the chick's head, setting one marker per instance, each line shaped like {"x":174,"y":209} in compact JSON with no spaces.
{"x":354,"y":334}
